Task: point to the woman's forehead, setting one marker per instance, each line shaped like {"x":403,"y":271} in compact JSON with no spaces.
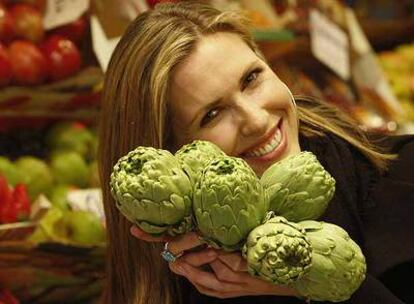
{"x":216,"y":59}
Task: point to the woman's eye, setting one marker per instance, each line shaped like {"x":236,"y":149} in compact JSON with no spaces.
{"x":209,"y":116}
{"x":252,"y":76}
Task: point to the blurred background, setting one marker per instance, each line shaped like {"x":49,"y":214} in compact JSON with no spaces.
{"x":357,"y":55}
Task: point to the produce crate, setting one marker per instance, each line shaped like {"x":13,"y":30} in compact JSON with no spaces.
{"x":77,"y":97}
{"x":51,"y":272}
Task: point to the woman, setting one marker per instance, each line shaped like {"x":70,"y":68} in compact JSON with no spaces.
{"x":187,"y":71}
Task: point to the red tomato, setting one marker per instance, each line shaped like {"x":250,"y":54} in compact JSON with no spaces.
{"x":5,"y":67}
{"x":28,"y":22}
{"x":7,"y":26}
{"x":74,"y":31}
{"x":63,"y":57}
{"x":29,"y":65}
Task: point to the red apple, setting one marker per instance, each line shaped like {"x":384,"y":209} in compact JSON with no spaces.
{"x":28,"y":22}
{"x":63,"y":57}
{"x":29,"y":65}
{"x":74,"y":31}
{"x":7,"y":26}
{"x":5,"y":67}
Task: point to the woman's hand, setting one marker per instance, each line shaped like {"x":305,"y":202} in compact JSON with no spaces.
{"x":188,"y":243}
{"x":228,"y":277}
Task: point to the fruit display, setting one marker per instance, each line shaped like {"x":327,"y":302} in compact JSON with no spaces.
{"x":49,"y":246}
{"x":232,"y":209}
{"x":36,"y":55}
{"x":398,"y":65}
{"x":15,"y":202}
{"x":45,"y":73}
{"x":66,"y":163}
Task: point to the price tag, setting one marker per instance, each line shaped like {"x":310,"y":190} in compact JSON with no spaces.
{"x":329,"y":44}
{"x":60,"y":12}
{"x":87,"y":200}
{"x":102,"y":45}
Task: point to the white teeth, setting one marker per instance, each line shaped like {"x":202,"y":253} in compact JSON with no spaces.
{"x":269,"y":147}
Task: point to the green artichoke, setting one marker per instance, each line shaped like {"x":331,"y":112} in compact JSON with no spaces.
{"x":278,"y":251}
{"x":229,"y":202}
{"x":195,"y":156}
{"x":298,"y":187}
{"x":338,"y":265}
{"x":152,"y":191}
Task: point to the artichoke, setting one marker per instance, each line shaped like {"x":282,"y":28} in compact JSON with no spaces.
{"x":195,"y":156}
{"x":298,"y":187}
{"x":338,"y":265}
{"x":228,"y":203}
{"x":151,"y":190}
{"x":278,"y":251}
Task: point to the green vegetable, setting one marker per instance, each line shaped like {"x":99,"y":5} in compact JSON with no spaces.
{"x":9,"y":170}
{"x":299,"y":188}
{"x":338,"y":265}
{"x":36,"y":175}
{"x":278,"y":251}
{"x":72,"y":136}
{"x":229,"y":202}
{"x":195,"y":156}
{"x":152,"y":190}
{"x":69,"y":167}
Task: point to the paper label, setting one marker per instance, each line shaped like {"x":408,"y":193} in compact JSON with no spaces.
{"x":60,"y":12}
{"x":329,"y":44}
{"x":87,"y":200}
{"x":366,"y":70}
{"x":102,"y":46}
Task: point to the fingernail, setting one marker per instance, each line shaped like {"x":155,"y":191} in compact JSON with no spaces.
{"x":134,"y":230}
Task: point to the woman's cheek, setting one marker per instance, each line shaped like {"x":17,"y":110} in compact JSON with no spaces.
{"x":224,"y":136}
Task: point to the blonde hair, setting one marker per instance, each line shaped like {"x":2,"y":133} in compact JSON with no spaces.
{"x":135,"y":112}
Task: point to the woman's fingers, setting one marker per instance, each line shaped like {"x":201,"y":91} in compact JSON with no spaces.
{"x":233,"y":260}
{"x":203,"y":278}
{"x":226,"y":274}
{"x":197,"y":259}
{"x":185,"y":242}
{"x":200,"y":258}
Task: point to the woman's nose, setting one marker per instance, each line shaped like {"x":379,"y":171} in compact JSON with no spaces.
{"x":254,"y":118}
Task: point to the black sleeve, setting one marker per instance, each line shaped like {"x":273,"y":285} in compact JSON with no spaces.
{"x":373,"y":291}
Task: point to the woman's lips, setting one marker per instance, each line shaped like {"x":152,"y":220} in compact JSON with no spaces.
{"x":274,"y":154}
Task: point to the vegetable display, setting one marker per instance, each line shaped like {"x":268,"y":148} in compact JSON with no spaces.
{"x":228,"y":202}
{"x":273,"y":220}
{"x":152,"y":191}
{"x":299,"y":188}
{"x":195,"y":156}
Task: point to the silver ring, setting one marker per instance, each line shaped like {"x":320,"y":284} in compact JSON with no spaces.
{"x":168,"y":255}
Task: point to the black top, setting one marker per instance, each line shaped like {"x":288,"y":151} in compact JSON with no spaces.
{"x":377,"y":212}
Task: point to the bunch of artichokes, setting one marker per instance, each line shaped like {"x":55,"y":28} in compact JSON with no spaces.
{"x":272,"y":220}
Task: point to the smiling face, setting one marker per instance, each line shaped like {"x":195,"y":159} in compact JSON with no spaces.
{"x":226,"y":94}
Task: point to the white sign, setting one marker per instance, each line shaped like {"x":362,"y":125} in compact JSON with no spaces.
{"x":102,"y":46}
{"x":329,"y":44}
{"x":60,"y":12}
{"x":87,"y":200}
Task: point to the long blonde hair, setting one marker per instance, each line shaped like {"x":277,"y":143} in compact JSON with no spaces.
{"x":135,"y":112}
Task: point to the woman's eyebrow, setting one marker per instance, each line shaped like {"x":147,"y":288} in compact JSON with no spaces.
{"x":212,"y":104}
